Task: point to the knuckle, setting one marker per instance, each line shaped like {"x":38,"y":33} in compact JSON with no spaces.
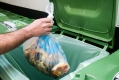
{"x":43,"y":25}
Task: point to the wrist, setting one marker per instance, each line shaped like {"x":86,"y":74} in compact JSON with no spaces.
{"x":27,"y":32}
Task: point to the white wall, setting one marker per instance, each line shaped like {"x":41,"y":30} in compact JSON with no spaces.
{"x":32,"y":4}
{"x":117,"y":22}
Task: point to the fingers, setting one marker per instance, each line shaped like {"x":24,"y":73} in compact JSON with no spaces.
{"x":48,"y":29}
{"x":41,"y":27}
{"x":47,"y":20}
{"x":47,"y":33}
{"x":47,"y":25}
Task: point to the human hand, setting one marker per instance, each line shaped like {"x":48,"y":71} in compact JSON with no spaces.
{"x":39,"y":27}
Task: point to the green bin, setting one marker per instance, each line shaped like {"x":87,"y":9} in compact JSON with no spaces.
{"x":3,"y":17}
{"x":20,"y":22}
{"x":104,"y":69}
{"x":1,"y":10}
{"x":11,"y":15}
{"x":76,"y":52}
{"x":88,"y":21}
{"x":27,"y":20}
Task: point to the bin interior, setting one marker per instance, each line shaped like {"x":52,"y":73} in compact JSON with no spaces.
{"x":76,"y":52}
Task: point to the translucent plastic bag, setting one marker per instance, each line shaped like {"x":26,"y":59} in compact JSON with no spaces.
{"x":46,"y":54}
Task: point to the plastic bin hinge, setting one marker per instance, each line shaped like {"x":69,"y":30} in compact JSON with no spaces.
{"x":105,"y":47}
{"x":83,"y":39}
{"x":62,"y":32}
{"x":77,"y":37}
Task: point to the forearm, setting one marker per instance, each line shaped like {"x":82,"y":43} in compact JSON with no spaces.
{"x":11,"y":40}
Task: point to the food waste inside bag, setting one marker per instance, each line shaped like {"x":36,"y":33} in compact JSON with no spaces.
{"x":46,"y":54}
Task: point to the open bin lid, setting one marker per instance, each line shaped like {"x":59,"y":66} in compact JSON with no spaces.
{"x":94,"y":20}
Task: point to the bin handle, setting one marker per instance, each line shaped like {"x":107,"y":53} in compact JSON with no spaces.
{"x":84,"y":77}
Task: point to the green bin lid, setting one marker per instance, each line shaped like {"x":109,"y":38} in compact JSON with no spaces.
{"x":90,"y":18}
